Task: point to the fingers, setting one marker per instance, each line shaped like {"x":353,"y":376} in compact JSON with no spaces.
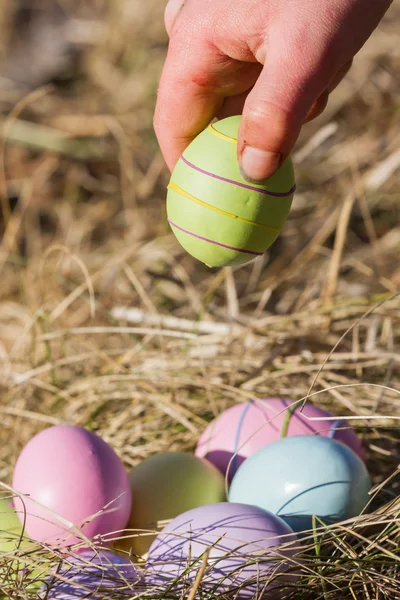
{"x":199,"y":82}
{"x":287,"y":94}
{"x":339,"y":76}
{"x":234,"y":105}
{"x":318,"y":107}
{"x":184,"y":106}
{"x":196,"y":80}
{"x":272,"y":118}
{"x":187,"y":100}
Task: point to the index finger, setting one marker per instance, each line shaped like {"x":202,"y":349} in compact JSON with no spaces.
{"x":188,"y":97}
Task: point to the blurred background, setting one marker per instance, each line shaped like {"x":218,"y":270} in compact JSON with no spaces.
{"x":84,"y":238}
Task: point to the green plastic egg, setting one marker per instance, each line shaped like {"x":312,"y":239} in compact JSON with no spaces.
{"x":216,"y":215}
{"x":164,"y":486}
{"x":20,"y":547}
{"x":10,"y":527}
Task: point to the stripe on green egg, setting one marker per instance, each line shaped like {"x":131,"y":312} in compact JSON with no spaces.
{"x":201,"y":221}
{"x":213,"y":208}
{"x":211,"y":152}
{"x":218,"y":155}
{"x":228,"y":127}
{"x":235,"y":197}
{"x":238,"y":184}
{"x":207,"y":251}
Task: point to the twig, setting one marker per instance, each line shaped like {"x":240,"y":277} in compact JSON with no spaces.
{"x":231,"y":295}
{"x":317,"y":140}
{"x":63,"y":249}
{"x":8,"y":123}
{"x":383,"y":171}
{"x":340,"y":239}
{"x":139,"y":288}
{"x":200,"y":575}
{"x":41,"y":137}
{"x":31,"y":415}
{"x":136,"y":315}
{"x":117,"y":330}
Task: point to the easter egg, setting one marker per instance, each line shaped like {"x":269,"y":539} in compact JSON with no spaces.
{"x":71,"y":480}
{"x":14,"y":542}
{"x":95,"y":575}
{"x":164,"y":486}
{"x":301,"y":476}
{"x":216,"y":215}
{"x":10,"y":526}
{"x":243,"y":429}
{"x":243,"y":560}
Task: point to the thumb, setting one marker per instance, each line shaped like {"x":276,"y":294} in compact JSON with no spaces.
{"x":273,"y":114}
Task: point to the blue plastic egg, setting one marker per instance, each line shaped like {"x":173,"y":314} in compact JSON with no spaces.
{"x":298,"y":477}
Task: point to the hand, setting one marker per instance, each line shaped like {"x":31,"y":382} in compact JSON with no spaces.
{"x":275,"y":61}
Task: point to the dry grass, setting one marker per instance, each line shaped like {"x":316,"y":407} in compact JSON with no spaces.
{"x":85,"y":237}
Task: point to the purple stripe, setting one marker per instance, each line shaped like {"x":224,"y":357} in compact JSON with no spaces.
{"x":234,"y":465}
{"x":199,"y":237}
{"x":335,"y":427}
{"x":243,"y":185}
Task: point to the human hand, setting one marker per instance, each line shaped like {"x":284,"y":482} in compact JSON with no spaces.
{"x":275,"y":61}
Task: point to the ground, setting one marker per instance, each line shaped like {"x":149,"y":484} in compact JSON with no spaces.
{"x":85,"y":239}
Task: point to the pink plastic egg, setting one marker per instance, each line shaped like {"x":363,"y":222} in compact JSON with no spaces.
{"x":70,"y":478}
{"x":245,"y":428}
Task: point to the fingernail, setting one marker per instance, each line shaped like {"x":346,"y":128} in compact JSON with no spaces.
{"x":257,"y":164}
{"x":171,"y":13}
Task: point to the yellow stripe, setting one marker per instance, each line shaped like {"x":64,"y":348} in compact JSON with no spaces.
{"x":175,"y":188}
{"x":221,"y":135}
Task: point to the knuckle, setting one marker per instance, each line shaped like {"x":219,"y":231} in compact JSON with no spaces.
{"x":267,"y":125}
{"x":262,"y":111}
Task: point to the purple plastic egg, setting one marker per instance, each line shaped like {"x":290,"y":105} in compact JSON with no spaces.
{"x":245,"y":428}
{"x":71,"y":479}
{"x":243,"y":557}
{"x":93,"y":574}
